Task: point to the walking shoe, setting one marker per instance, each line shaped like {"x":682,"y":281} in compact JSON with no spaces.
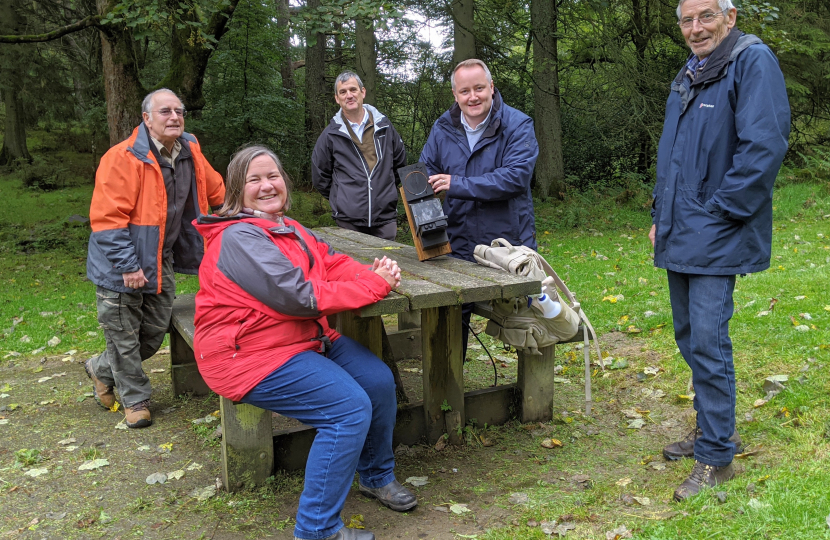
{"x":349,"y":534}
{"x":103,"y":394}
{"x":703,"y":476}
{"x":686,"y":447}
{"x":138,"y":416}
{"x":393,"y":495}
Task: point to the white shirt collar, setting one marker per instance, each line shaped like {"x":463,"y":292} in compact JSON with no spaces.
{"x":479,"y":127}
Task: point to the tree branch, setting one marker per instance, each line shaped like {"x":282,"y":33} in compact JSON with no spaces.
{"x":92,"y":20}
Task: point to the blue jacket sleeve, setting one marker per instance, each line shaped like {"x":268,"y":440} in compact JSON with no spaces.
{"x":509,"y":180}
{"x":762,"y":122}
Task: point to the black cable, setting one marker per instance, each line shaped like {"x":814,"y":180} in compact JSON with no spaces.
{"x":492,"y":361}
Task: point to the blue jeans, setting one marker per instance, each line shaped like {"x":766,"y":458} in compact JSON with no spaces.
{"x":701,"y":309}
{"x":349,"y":398}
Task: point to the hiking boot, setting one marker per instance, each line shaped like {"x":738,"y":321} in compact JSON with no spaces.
{"x":138,"y":416}
{"x":349,"y":534}
{"x":393,"y":495}
{"x":686,"y":447}
{"x":703,"y":476}
{"x":103,"y":394}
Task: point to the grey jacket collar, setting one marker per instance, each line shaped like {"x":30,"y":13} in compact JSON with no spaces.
{"x":141,"y":146}
{"x":377,"y":116}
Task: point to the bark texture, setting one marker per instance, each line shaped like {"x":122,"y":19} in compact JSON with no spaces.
{"x":366,"y":57}
{"x":548,"y":119}
{"x":464,"y":43}
{"x":11,"y":81}
{"x":316,"y":92}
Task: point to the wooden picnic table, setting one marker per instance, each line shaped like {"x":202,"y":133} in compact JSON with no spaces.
{"x":436,"y":288}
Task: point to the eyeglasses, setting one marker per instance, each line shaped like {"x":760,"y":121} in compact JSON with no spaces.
{"x":704,"y":20}
{"x":164,"y":113}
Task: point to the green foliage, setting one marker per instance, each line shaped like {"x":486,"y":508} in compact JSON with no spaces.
{"x":27,"y":457}
{"x":245,"y":99}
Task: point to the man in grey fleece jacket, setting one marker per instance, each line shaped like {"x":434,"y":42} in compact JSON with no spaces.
{"x":355,"y":160}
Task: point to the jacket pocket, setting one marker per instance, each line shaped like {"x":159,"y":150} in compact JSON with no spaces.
{"x":702,"y":239}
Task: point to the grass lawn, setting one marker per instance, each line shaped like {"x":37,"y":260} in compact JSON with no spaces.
{"x":598,"y":244}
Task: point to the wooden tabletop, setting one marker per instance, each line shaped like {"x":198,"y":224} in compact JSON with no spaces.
{"x":443,"y":281}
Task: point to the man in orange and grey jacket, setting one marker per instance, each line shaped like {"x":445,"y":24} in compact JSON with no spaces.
{"x":148,"y":190}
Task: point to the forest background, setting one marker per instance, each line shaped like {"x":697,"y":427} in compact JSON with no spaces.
{"x":594,"y":75}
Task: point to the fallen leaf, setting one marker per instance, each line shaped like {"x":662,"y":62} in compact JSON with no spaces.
{"x":417,"y":480}
{"x":203,"y":494}
{"x":619,"y":363}
{"x":563,"y":528}
{"x":633,"y":330}
{"x":772,"y":302}
{"x":156,"y":478}
{"x":192,"y":466}
{"x":644,"y":501}
{"x":157,"y":370}
{"x":55,"y":341}
{"x":651,"y":370}
{"x":70,"y":440}
{"x":356,"y":522}
{"x":44,"y":379}
{"x":759,"y":403}
{"x":800,"y":297}
{"x":93,"y":464}
{"x":561,"y":380}
{"x":688,"y":397}
{"x":756,"y":504}
{"x":34,"y":473}
{"x":636,"y":424}
{"x":459,"y":508}
{"x":441,"y":444}
{"x":115,"y":406}
{"x":618,"y":533}
{"x":175,"y":475}
{"x":762,"y":313}
{"x":828,"y":520}
{"x":548,"y":527}
{"x":552,"y":443}
{"x":802,"y":328}
{"x":622,"y":482}
{"x":518,"y":498}
{"x":631,"y":413}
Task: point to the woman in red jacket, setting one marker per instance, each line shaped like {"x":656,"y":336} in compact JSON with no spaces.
{"x":262,"y":337}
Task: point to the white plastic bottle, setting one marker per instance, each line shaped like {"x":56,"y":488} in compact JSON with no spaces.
{"x":550,"y":308}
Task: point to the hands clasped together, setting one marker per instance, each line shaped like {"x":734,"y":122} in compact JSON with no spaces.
{"x":388,"y":270}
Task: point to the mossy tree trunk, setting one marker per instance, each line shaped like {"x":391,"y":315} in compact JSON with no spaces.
{"x":366,"y":58}
{"x":11,"y":82}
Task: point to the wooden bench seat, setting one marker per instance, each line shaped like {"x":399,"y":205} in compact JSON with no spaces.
{"x":251,"y":449}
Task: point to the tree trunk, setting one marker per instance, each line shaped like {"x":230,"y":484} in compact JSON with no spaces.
{"x":548,"y":119}
{"x":366,"y":58}
{"x":122,"y":85}
{"x":464,"y":43}
{"x":315,"y":87}
{"x":11,"y":82}
{"x":289,"y":85}
{"x":189,"y":57}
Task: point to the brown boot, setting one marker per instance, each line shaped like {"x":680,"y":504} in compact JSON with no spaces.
{"x":686,"y":448}
{"x":138,"y":416}
{"x":703,"y":476}
{"x":103,"y":394}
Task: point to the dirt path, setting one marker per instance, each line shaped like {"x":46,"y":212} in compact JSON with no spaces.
{"x":503,"y":475}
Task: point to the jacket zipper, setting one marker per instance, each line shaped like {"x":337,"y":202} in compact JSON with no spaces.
{"x":363,"y":162}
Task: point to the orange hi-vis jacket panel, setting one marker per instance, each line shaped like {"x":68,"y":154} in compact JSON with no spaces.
{"x":129,"y":212}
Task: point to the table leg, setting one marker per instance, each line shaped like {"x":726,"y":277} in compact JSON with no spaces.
{"x":535,"y":386}
{"x":368,"y":331}
{"x":443,"y":370}
{"x":247,"y":445}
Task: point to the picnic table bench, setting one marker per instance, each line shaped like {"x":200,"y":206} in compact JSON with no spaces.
{"x":437,"y":288}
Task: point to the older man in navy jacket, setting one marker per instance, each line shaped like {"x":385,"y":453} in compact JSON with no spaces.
{"x":724,"y":138}
{"x":482,"y":152}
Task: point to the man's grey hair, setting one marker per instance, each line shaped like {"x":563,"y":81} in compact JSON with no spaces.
{"x":722,"y":4}
{"x":470,"y":63}
{"x":147,"y":104}
{"x":344,"y":77}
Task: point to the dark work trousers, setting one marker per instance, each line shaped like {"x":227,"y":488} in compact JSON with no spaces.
{"x":701,"y":308}
{"x":134,"y":325}
{"x":387,"y":231}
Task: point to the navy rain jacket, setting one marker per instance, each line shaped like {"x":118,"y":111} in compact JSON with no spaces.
{"x":723,"y":142}
{"x":489,"y":195}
